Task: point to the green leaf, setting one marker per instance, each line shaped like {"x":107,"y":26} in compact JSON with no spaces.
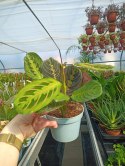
{"x":32,"y":64}
{"x":73,"y":78}
{"x":51,"y":68}
{"x":36,"y":95}
{"x":61,"y":97}
{"x":94,"y":67}
{"x":89,"y":91}
{"x":52,"y":106}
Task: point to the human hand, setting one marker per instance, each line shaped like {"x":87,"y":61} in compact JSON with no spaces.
{"x":24,"y":126}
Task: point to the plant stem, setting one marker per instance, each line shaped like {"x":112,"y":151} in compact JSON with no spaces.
{"x":63,"y":78}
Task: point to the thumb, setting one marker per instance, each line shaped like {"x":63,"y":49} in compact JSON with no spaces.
{"x":39,"y":123}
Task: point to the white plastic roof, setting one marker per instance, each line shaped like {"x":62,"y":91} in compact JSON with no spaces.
{"x":62,"y":18}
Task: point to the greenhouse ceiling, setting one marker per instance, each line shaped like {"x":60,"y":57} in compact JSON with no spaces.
{"x":45,"y":27}
{"x":63,"y":19}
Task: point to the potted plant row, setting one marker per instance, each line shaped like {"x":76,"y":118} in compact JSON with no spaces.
{"x":58,"y":90}
{"x":109,"y":108}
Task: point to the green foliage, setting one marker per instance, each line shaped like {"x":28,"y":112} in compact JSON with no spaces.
{"x":32,"y":64}
{"x":73,"y":77}
{"x":113,"y":87}
{"x":93,"y":67}
{"x":51,"y":68}
{"x":6,"y":109}
{"x":89,"y":91}
{"x":118,"y":157}
{"x":47,"y":93}
{"x":84,"y":56}
{"x":36,"y":95}
{"x":110,"y":113}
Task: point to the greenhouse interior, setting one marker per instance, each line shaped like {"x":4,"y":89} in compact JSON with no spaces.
{"x":62,"y":82}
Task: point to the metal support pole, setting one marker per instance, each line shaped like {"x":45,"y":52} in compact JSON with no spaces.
{"x":13,"y":47}
{"x":121,"y":60}
{"x":44,"y":28}
{"x":96,"y":151}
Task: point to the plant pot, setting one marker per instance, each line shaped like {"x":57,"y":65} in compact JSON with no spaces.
{"x":113,"y":132}
{"x":122,"y":36}
{"x":122,"y":25}
{"x":84,"y":40}
{"x":112,"y":36}
{"x":111,"y":16}
{"x":89,"y":30}
{"x":84,"y":48}
{"x":92,"y":39}
{"x":68,"y":128}
{"x":90,"y":47}
{"x":94,"y":19}
{"x":102,"y":38}
{"x":106,"y":42}
{"x":112,"y":27}
{"x":100,"y":30}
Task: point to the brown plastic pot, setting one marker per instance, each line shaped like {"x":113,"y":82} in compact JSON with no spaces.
{"x":112,"y":27}
{"x":113,"y":132}
{"x":90,"y":47}
{"x":106,"y":42}
{"x":100,"y":30}
{"x":84,"y":48}
{"x":122,"y":25}
{"x":112,"y":36}
{"x":89,"y":30}
{"x":122,"y":35}
{"x":94,"y":19}
{"x":92,"y":39}
{"x":111,"y":16}
{"x":102,"y":38}
{"x":84,"y":40}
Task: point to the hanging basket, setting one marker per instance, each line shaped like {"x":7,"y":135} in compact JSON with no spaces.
{"x":84,"y":48}
{"x":111,"y":16}
{"x":122,"y":25}
{"x":100,"y":30}
{"x":84,"y":40}
{"x":112,"y":27}
{"x":94,"y":19}
{"x":112,"y":36}
{"x":122,"y":35}
{"x":92,"y":39}
{"x":89,"y":30}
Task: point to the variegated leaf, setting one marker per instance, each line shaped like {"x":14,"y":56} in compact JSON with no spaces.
{"x":36,"y":95}
{"x":32,"y":64}
{"x":73,"y":78}
{"x":51,"y":68}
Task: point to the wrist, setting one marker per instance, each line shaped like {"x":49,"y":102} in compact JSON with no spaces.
{"x":13,"y":130}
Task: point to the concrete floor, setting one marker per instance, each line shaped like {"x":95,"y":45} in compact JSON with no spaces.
{"x":73,"y":154}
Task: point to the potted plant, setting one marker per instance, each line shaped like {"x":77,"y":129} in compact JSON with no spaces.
{"x":111,"y":27}
{"x":111,"y":115}
{"x":83,"y":39}
{"x":121,"y":24}
{"x":58,"y":86}
{"x":111,"y":13}
{"x":101,"y":27}
{"x":117,"y":157}
{"x":93,"y":14}
{"x":89,"y":29}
